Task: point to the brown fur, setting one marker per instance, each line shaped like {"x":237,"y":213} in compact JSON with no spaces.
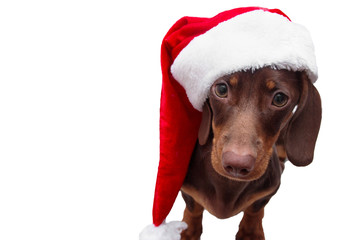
{"x":246,"y":124}
{"x":270,"y":84}
{"x":234,"y":81}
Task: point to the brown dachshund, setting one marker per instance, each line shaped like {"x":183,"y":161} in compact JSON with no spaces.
{"x":251,"y":123}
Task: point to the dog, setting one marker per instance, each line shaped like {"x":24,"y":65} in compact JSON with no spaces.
{"x":252,"y":122}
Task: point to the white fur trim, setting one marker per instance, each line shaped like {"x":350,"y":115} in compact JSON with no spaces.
{"x":246,"y":42}
{"x":166,"y":231}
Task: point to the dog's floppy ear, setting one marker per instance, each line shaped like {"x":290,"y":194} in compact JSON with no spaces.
{"x":304,"y":126}
{"x":205,"y":125}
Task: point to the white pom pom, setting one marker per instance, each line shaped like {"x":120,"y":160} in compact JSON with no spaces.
{"x":166,"y":231}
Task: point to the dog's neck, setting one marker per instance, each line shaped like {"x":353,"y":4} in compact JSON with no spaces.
{"x":221,"y":196}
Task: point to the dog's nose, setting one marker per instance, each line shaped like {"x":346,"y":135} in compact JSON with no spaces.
{"x":238,"y":165}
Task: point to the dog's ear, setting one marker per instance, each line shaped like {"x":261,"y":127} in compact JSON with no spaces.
{"x":205,"y":126}
{"x":303,"y":128}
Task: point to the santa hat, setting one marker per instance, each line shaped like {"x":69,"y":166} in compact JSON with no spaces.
{"x":197,"y":51}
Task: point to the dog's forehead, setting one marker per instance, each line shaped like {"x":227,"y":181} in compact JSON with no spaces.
{"x":266,"y":77}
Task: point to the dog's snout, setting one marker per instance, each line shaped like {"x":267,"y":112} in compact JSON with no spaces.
{"x":238,"y":165}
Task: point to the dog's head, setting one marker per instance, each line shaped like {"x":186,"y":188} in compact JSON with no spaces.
{"x":245,"y":114}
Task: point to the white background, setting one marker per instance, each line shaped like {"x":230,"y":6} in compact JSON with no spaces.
{"x":79,"y":107}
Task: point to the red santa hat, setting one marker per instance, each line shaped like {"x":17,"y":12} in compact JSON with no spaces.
{"x":194,"y":53}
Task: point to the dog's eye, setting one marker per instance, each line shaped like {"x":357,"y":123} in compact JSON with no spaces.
{"x":280,"y":100}
{"x":221,"y":90}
